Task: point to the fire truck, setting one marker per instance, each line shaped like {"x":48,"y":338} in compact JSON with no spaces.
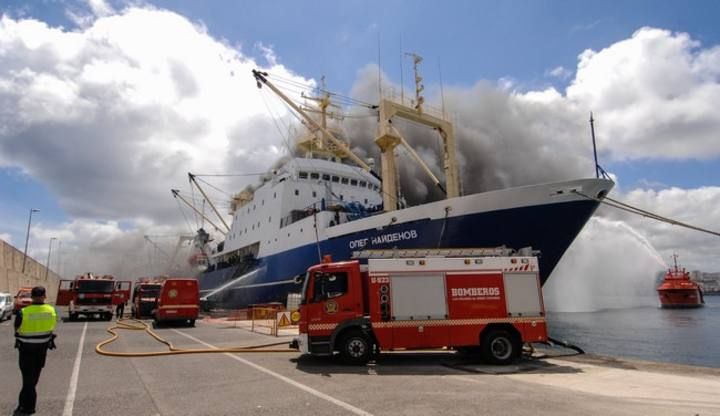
{"x":486,"y":300}
{"x":145,"y":297}
{"x":91,"y":295}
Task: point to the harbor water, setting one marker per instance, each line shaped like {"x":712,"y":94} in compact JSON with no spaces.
{"x":684,"y":336}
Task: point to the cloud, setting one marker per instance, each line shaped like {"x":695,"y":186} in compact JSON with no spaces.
{"x":559,"y":72}
{"x":654,"y":95}
{"x":6,"y":237}
{"x":112,"y":116}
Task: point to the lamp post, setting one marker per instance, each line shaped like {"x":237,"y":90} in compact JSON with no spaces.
{"x":27,"y":237}
{"x":47,"y":265}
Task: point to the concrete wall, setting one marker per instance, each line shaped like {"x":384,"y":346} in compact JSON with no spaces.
{"x":12,"y":278}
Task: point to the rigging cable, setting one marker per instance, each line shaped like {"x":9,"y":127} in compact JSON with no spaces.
{"x":183,"y":214}
{"x":638,"y":211}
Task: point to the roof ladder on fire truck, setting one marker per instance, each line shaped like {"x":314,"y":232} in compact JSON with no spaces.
{"x":444,"y":252}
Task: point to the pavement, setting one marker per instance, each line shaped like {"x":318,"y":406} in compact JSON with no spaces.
{"x":78,"y":381}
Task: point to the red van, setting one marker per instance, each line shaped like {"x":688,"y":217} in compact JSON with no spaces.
{"x":179,"y":301}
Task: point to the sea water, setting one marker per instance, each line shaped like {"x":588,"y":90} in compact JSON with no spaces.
{"x":685,"y":336}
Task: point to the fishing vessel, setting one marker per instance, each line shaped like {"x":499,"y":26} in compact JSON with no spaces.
{"x":678,"y":291}
{"x":328,"y":201}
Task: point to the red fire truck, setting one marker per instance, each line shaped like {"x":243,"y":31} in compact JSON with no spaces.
{"x":484,"y":299}
{"x":91,"y":295}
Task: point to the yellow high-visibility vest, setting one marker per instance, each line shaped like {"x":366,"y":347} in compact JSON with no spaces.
{"x":38,"y":323}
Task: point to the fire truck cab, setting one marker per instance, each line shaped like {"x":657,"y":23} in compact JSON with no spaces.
{"x":88,"y":295}
{"x":477,"y":299}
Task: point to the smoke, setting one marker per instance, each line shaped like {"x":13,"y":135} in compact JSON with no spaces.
{"x":503,"y":139}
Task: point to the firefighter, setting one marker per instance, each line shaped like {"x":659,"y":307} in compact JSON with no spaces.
{"x":120,"y":310}
{"x":34,"y":325}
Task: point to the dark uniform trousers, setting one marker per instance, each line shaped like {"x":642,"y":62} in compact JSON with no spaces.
{"x":32,"y":361}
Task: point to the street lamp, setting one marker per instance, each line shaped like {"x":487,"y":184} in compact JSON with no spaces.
{"x":47,"y":265}
{"x":27,"y":237}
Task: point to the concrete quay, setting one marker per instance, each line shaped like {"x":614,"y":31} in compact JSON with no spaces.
{"x":78,"y":381}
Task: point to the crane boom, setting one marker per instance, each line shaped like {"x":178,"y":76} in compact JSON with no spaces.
{"x":261,"y":78}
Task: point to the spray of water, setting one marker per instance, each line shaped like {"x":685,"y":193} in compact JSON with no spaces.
{"x":230,"y":284}
{"x":610,"y":265}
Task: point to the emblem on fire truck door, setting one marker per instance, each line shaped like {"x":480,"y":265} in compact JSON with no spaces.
{"x":331,"y":307}
{"x":172,"y":293}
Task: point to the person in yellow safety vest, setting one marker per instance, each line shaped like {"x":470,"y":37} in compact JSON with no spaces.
{"x":34,"y":325}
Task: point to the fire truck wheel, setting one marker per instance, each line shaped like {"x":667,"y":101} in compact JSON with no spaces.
{"x":192,"y":322}
{"x":355,"y":348}
{"x":73,"y":317}
{"x":499,"y":346}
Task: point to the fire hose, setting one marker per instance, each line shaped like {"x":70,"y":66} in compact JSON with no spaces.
{"x":136,"y":325}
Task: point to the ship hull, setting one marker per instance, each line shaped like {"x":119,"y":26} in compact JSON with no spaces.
{"x":680,"y":298}
{"x":549,"y":228}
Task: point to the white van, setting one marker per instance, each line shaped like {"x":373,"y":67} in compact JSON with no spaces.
{"x":6,"y":306}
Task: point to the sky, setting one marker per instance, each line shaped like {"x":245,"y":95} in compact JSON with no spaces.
{"x":106,"y":105}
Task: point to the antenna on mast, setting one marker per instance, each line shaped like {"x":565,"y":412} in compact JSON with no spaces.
{"x":419,"y":87}
{"x":379,"y":69}
{"x":442,"y":90}
{"x":402,"y":86}
{"x":592,"y":133}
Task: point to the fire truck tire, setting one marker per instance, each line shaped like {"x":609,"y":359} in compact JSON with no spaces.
{"x":73,"y":317}
{"x":192,"y":322}
{"x":500,"y":346}
{"x":355,"y":348}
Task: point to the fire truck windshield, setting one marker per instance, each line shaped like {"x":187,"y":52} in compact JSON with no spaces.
{"x":95,"y":286}
{"x":150,"y":291}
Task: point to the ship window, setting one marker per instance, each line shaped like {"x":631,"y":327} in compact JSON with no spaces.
{"x":245,"y":229}
{"x":353,"y":182}
{"x":344,"y":181}
{"x":365,"y":201}
{"x":248,"y":210}
{"x":274,"y":195}
{"x":326,"y":177}
{"x":301,"y":230}
{"x":363,"y":184}
{"x":314,"y":194}
{"x":303,"y":175}
{"x":262,"y":202}
{"x":253,"y":226}
{"x":314,"y":175}
{"x":297,"y":192}
{"x":269,"y":219}
{"x":335,"y":179}
{"x":342,"y":197}
{"x":254,"y":207}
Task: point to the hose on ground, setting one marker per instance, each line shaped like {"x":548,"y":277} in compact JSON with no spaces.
{"x":567,"y":345}
{"x":136,"y":325}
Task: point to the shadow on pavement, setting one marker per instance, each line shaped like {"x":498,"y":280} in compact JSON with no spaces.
{"x":425,"y":363}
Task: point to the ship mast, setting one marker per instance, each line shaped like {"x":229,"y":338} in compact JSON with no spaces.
{"x":389,"y":138}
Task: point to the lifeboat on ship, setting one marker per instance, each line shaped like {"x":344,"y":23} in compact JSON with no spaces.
{"x":678,"y":291}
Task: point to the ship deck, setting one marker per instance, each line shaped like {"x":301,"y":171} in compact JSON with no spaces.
{"x":415,"y":383}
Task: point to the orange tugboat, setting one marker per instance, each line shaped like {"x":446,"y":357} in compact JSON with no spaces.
{"x":678,"y":291}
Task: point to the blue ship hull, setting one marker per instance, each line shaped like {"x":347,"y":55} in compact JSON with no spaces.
{"x":550,"y":228}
